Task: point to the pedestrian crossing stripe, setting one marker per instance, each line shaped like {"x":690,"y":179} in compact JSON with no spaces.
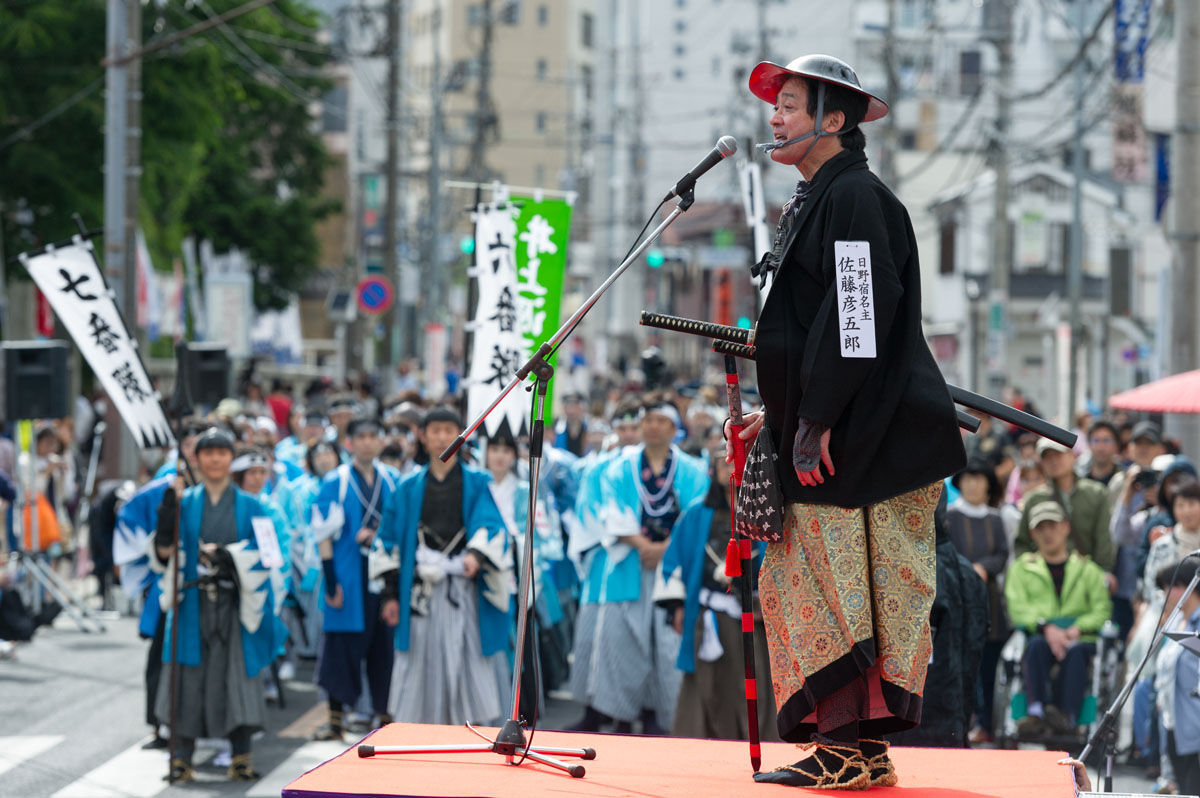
{"x":302,"y":760}
{"x":133,"y":773}
{"x":16,"y":750}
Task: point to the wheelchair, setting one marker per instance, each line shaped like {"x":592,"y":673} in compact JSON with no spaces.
{"x":1106,"y":675}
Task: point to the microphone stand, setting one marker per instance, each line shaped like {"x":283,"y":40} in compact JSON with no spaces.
{"x":510,"y":743}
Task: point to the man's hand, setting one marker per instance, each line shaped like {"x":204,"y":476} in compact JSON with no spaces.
{"x":979,"y":569}
{"x":178,"y":485}
{"x":753,"y":423}
{"x":337,"y":599}
{"x":1128,"y":489}
{"x":1073,"y":634}
{"x":651,"y":553}
{"x":1158,"y":532}
{"x":471,"y":565}
{"x":812,"y":478}
{"x":1112,"y":583}
{"x":207,"y":550}
{"x":390,"y":612}
{"x":364,"y":536}
{"x":677,"y":620}
{"x":1058,"y":640}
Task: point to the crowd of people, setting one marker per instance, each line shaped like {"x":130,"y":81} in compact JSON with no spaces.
{"x":320,"y":527}
{"x":1070,"y":543}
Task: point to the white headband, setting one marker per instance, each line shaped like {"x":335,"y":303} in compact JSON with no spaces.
{"x":248,"y":461}
{"x":667,"y":410}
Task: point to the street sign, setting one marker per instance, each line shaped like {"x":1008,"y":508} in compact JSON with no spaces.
{"x":374,"y":294}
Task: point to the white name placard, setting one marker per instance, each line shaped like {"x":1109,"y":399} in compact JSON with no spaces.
{"x":856,"y":298}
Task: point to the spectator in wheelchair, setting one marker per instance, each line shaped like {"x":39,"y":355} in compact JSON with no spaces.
{"x":1060,"y":598}
{"x":1177,"y":679}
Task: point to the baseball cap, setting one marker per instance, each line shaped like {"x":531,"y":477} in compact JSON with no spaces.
{"x":1046,"y":445}
{"x":1046,"y":511}
{"x":1147,"y":429}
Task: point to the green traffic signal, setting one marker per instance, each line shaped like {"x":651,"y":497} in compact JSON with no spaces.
{"x":744,"y":322}
{"x":467,"y":245}
{"x":655,"y":258}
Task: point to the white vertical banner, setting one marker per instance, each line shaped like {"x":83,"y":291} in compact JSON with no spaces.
{"x":436,"y":346}
{"x":497,"y":348}
{"x":750,"y":175}
{"x":71,"y":281}
{"x":149,"y":296}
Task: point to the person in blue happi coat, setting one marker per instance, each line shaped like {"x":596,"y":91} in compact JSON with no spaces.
{"x":705,"y":608}
{"x":226,"y":634}
{"x":625,"y":669}
{"x":452,"y":594}
{"x":136,"y":521}
{"x":345,"y":520}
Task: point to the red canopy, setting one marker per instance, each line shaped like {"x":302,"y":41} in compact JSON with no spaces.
{"x":1179,"y":393}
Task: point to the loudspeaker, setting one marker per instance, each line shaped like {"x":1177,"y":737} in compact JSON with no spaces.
{"x":35,"y":379}
{"x":206,"y":369}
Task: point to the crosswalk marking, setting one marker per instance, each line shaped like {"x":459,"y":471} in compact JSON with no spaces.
{"x":15,"y":750}
{"x":302,"y":760}
{"x":133,"y":773}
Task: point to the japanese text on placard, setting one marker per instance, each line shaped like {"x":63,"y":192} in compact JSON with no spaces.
{"x":856,"y":298}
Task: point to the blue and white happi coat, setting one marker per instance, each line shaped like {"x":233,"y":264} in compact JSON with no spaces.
{"x":255,"y":600}
{"x":344,"y":505}
{"x":136,"y":521}
{"x":486,"y":533}
{"x":615,"y":573}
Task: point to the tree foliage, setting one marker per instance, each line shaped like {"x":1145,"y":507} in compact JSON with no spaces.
{"x":231,"y":149}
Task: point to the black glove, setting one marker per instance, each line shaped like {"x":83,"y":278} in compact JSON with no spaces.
{"x":164,"y":532}
{"x":806,"y":449}
{"x":331,"y":582}
{"x":391,"y":586}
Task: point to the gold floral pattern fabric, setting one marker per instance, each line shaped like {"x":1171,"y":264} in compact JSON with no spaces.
{"x":831,"y":584}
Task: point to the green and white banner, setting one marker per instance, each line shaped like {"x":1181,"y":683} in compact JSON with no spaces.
{"x":520,"y":261}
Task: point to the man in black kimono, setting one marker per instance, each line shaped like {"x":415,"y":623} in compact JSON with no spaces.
{"x":854,"y":395}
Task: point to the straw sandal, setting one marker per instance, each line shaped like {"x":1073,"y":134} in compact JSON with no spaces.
{"x":180,"y":772}
{"x":883,"y":773}
{"x":831,"y":767}
{"x":240,"y":769}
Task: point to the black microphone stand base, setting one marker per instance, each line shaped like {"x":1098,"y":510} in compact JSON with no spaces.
{"x":509,"y":743}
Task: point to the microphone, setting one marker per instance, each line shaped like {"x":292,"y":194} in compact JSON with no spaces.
{"x":726,"y":146}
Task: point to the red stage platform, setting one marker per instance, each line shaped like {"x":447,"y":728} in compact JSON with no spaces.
{"x":658,"y":767}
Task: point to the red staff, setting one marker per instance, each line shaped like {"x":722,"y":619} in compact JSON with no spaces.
{"x":738,"y":557}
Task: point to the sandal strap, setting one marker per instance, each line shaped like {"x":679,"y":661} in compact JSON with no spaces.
{"x":850,"y":756}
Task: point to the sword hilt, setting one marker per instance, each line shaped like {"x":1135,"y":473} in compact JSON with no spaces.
{"x":721,"y":332}
{"x":744,"y":351}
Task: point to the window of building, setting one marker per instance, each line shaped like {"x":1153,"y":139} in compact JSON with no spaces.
{"x":539,"y":122}
{"x":970,"y":72}
{"x":541,"y":69}
{"x":474,"y":15}
{"x":946,"y":235}
{"x":543,"y":15}
{"x":586,"y":30}
{"x":716,"y":66}
{"x":539,"y":175}
{"x":585,"y":77}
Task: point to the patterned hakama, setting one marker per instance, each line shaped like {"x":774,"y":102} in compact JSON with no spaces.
{"x":443,"y":677}
{"x":844,"y":599}
{"x":625,"y":658}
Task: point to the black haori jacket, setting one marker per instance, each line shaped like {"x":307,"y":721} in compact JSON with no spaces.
{"x":894,"y":424}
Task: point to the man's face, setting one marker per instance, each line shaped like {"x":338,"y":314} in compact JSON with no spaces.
{"x":574,"y":409}
{"x":1051,"y":536}
{"x":187,"y":447}
{"x":1144,"y":450}
{"x":254,"y":480}
{"x":791,"y":119}
{"x":629,"y":433}
{"x":1057,"y":464}
{"x":214,"y":463}
{"x":437,"y":435}
{"x":974,"y":488}
{"x":1103,"y":445}
{"x":500,"y":458}
{"x":366,"y":446}
{"x":657,"y":430}
{"x":311,"y":433}
{"x":1187,"y":512}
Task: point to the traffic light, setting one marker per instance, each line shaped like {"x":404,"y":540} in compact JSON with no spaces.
{"x":744,"y":322}
{"x":655,"y":258}
{"x":467,"y":245}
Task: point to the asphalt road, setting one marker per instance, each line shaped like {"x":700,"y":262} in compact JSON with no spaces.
{"x":71,"y":725}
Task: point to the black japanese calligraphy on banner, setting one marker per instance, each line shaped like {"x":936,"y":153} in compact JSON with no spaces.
{"x":71,"y":281}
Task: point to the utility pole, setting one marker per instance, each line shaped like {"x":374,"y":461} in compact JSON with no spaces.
{"x":1075,"y":274}
{"x":434,"y":229}
{"x":891,"y":145}
{"x":997,"y":324}
{"x":122,"y":171}
{"x":1185,"y":196}
{"x":391,"y":260}
{"x":485,"y":119}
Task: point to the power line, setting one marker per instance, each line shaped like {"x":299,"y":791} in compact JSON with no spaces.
{"x":948,"y":140}
{"x":57,"y":111}
{"x":1067,"y":68}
